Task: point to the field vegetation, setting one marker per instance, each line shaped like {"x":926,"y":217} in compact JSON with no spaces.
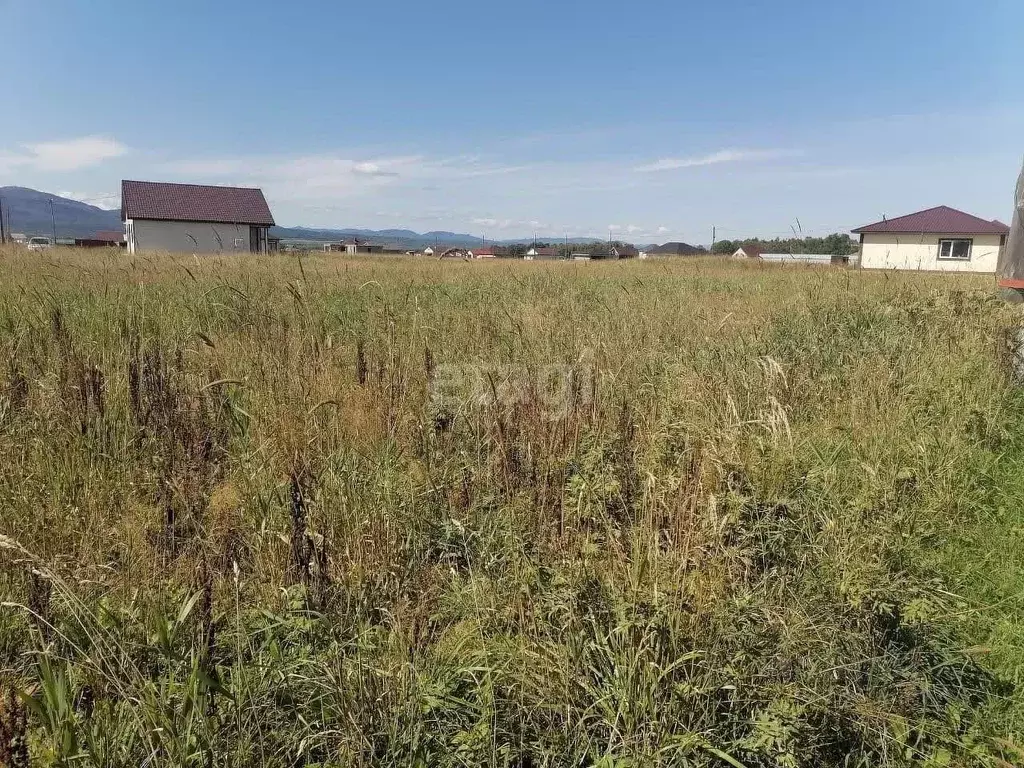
{"x":398,"y":512}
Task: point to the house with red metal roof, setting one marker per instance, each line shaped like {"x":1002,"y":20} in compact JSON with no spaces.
{"x":488,"y":251}
{"x":194,"y":218}
{"x":939,"y":239}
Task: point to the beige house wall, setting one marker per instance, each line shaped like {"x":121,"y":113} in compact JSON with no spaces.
{"x":921,"y":251}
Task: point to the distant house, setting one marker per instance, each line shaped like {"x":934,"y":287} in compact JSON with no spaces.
{"x":353,"y":247}
{"x":940,"y":239}
{"x":678,"y":249}
{"x":747,"y":252}
{"x":488,"y":252}
{"x":542,"y":252}
{"x":580,"y":256}
{"x":194,"y":218}
{"x":428,"y":251}
{"x":624,"y":252}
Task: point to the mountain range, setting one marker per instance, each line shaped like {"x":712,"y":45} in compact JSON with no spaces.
{"x":32,"y":212}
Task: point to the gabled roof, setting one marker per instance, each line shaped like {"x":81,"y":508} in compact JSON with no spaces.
{"x":194,"y":202}
{"x":753,"y":251}
{"x":488,"y":250}
{"x":942,"y":220}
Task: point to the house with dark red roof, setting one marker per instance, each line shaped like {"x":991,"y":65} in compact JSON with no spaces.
{"x":194,"y":218}
{"x":748,"y":252}
{"x":488,"y":251}
{"x":938,"y":239}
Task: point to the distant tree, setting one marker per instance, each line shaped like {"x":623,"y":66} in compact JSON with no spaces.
{"x":839,"y":245}
{"x":725,"y":246}
{"x":516,"y":250}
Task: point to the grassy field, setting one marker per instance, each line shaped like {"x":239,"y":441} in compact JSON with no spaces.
{"x":358,"y":512}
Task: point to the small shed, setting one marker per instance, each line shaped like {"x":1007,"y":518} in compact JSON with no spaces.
{"x":824,"y":259}
{"x":104,"y":239}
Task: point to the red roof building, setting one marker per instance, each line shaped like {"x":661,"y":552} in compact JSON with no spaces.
{"x":488,"y":251}
{"x":937,"y":239}
{"x":942,"y":219}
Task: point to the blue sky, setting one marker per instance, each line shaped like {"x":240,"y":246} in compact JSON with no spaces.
{"x":655,"y":120}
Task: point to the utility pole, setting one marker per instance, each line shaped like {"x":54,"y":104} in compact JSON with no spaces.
{"x":714,"y":233}
{"x":3,"y":231}
{"x":53,"y":223}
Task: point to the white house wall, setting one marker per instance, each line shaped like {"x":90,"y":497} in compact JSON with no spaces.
{"x":917,"y":251}
{"x":186,"y":237}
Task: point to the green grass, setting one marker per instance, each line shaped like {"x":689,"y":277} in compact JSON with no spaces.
{"x":400,"y":512}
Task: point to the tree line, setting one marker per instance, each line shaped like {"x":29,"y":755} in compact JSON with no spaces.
{"x":836,"y":244}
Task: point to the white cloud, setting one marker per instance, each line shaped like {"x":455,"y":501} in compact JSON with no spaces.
{"x":108,"y":201}
{"x":70,"y":155}
{"x":663,"y":230}
{"x":496,"y":223}
{"x":335,"y":174}
{"x":715,"y":158}
{"x":371,"y":169}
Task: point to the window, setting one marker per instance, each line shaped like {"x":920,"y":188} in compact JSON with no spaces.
{"x":239,"y":242}
{"x":955,"y":250}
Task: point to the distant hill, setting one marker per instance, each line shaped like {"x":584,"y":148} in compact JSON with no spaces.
{"x":28,"y":212}
{"x":403,"y":238}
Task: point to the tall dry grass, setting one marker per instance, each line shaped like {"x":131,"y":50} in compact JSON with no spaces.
{"x":337,"y":511}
